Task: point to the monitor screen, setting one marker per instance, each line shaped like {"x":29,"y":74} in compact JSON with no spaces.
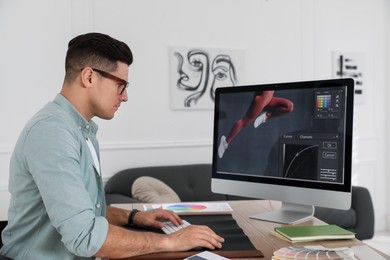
{"x":287,"y":141}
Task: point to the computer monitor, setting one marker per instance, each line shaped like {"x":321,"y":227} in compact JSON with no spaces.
{"x":290,"y":142}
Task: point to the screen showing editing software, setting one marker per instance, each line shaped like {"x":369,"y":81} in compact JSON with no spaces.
{"x":281,"y":133}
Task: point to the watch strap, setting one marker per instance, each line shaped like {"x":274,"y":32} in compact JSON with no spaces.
{"x":130,"y":221}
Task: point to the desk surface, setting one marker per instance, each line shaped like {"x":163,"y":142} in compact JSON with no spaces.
{"x":259,"y":231}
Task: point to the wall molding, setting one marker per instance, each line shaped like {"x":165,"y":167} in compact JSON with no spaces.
{"x":116,"y":146}
{"x":156,"y":144}
{"x":6,"y":150}
{"x":109,"y":146}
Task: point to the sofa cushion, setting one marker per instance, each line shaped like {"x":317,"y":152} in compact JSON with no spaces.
{"x":151,"y":190}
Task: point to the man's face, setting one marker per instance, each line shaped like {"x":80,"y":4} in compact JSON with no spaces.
{"x":106,"y":98}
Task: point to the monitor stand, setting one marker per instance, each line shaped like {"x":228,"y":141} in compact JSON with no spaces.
{"x":289,"y":213}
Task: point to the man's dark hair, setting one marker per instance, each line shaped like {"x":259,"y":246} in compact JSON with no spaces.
{"x":96,"y":50}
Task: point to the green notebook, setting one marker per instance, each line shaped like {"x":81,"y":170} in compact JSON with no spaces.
{"x":312,"y":233}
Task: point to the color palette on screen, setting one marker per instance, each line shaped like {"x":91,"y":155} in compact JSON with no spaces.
{"x":323,"y":101}
{"x":186,"y":207}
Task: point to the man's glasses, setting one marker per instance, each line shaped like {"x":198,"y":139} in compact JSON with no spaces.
{"x":124,"y":84}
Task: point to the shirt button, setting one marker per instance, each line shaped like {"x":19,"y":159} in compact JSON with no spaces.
{"x":98,"y":205}
{"x":87,"y":126}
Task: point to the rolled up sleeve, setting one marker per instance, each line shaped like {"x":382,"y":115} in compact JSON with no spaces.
{"x":70,"y":188}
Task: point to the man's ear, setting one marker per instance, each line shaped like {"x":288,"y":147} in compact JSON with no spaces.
{"x":86,"y":77}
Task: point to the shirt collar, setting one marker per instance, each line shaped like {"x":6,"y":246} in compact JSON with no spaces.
{"x":75,"y":114}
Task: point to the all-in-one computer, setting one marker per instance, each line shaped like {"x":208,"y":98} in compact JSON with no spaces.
{"x":290,"y":142}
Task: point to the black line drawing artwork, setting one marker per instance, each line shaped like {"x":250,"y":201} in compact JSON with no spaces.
{"x":198,"y":73}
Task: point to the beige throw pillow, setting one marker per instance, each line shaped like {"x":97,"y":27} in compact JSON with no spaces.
{"x":151,"y":190}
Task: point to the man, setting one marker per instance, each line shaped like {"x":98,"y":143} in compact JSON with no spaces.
{"x":57,"y":208}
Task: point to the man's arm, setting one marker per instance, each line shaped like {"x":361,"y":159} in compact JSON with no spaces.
{"x":117,"y":216}
{"x":121,"y":242}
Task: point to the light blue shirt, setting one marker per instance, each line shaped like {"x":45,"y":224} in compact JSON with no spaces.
{"x":57,"y":206}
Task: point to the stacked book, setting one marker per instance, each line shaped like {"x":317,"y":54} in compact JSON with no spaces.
{"x":312,"y":233}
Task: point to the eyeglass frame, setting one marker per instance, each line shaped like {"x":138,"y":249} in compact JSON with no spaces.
{"x":113,"y":77}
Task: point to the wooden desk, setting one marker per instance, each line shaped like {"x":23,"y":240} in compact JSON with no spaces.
{"x":259,"y":231}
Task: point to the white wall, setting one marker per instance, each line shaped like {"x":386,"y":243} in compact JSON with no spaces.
{"x":387,"y":108}
{"x":284,"y":40}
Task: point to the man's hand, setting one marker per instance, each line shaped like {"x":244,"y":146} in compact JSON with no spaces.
{"x":184,"y":239}
{"x":194,"y":236}
{"x":121,"y":243}
{"x":153,"y":218}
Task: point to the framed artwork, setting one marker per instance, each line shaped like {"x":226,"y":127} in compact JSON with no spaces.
{"x":195,"y":73}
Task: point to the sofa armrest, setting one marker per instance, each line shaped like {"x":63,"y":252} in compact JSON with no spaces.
{"x":365,"y":218}
{"x":359,"y":218}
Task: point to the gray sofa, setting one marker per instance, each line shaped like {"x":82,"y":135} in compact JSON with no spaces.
{"x":359,"y":218}
{"x":190,"y":182}
{"x":193,"y":183}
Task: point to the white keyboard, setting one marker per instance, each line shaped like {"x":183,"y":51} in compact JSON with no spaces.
{"x":169,"y":227}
